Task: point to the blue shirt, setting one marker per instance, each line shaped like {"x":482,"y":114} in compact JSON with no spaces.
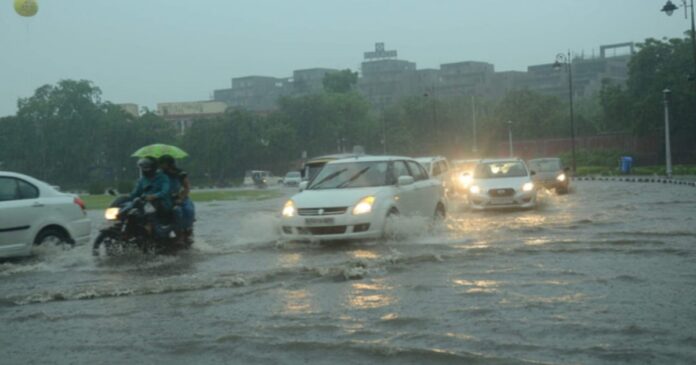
{"x":158,"y":186}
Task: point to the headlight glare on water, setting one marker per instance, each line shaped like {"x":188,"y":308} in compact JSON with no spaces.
{"x":111,"y":214}
{"x":289,"y":209}
{"x":475,"y":189}
{"x":364,"y":206}
{"x":527,"y":187}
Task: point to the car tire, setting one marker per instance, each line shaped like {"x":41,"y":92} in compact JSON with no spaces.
{"x":52,"y":236}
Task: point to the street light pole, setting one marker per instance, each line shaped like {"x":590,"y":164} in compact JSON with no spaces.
{"x":562,"y":59}
{"x":668,"y":147}
{"x":512,"y":151}
{"x":473,"y":114}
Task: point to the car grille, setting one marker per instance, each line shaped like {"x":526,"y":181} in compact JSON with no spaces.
{"x":496,"y":193}
{"x":318,"y":231}
{"x":321,"y":211}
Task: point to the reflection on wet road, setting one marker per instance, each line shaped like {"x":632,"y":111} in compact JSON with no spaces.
{"x":602,"y":276}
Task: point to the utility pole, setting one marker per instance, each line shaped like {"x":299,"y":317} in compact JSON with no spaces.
{"x":668,"y":147}
{"x":512,"y":152}
{"x":473,"y":117}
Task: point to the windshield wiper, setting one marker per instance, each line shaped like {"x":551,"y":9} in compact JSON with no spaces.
{"x":353,"y":178}
{"x":327,"y":178}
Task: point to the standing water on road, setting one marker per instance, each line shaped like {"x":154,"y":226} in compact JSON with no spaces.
{"x":604,"y":275}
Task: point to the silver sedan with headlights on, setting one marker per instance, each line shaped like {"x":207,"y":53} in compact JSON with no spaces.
{"x":354,"y":198}
{"x":550,"y":173}
{"x":502,"y":183}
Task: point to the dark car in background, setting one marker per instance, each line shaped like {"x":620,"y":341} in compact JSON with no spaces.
{"x":550,"y":173}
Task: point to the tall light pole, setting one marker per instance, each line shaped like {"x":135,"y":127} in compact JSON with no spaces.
{"x":473,"y":115}
{"x":566,"y":61}
{"x":512,"y":151}
{"x":669,"y":9}
{"x":668,"y":147}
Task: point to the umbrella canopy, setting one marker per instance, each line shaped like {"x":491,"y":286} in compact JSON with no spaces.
{"x":159,"y":150}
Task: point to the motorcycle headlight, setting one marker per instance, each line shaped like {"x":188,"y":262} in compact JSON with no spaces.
{"x":289,"y":209}
{"x":111,"y":214}
{"x":527,"y":187}
{"x":364,"y":206}
{"x":561,"y":177}
{"x":475,"y":189}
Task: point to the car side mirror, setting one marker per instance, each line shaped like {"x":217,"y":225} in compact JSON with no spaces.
{"x":303,"y":185}
{"x":112,"y":192}
{"x":405,"y":180}
{"x":567,"y":169}
{"x":532,"y":173}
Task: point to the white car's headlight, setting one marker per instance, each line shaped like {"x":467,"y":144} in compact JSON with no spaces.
{"x":111,"y":214}
{"x":475,"y":189}
{"x":561,"y":177}
{"x":289,"y":209}
{"x":465,"y":179}
{"x":364,"y":206}
{"x":527,"y":187}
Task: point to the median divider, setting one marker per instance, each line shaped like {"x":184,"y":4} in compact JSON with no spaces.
{"x":636,"y":179}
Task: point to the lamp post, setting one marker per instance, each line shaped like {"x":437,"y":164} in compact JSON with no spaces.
{"x":668,"y":147}
{"x":512,"y":151}
{"x":563,"y":60}
{"x":473,"y":117}
{"x":669,"y":9}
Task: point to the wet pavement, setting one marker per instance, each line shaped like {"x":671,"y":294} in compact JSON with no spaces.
{"x":604,"y":275}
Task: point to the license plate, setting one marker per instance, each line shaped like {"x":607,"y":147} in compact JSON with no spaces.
{"x":318,"y":221}
{"x":500,"y":201}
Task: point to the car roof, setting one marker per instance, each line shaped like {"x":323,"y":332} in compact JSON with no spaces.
{"x":366,"y":158}
{"x":44,"y":186}
{"x":493,"y":160}
{"x":333,"y":157}
{"x":429,"y":158}
{"x":545,"y":159}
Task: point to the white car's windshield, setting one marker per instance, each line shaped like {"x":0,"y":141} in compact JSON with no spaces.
{"x":351,"y":175}
{"x":293,"y":174}
{"x":545,"y":165}
{"x":494,"y":170}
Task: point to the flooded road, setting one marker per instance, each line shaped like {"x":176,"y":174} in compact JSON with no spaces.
{"x":604,"y":275}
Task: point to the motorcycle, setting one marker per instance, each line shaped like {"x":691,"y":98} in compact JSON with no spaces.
{"x":133,"y":224}
{"x":260,"y":182}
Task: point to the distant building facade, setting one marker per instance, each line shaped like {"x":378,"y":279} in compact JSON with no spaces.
{"x":130,"y":108}
{"x":385,"y":79}
{"x":183,"y":114}
{"x":309,"y":81}
{"x":254,"y":93}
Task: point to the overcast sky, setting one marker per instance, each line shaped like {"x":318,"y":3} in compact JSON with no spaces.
{"x":150,"y":51}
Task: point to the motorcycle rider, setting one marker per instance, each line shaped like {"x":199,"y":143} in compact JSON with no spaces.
{"x":184,"y":210}
{"x":154,"y":187}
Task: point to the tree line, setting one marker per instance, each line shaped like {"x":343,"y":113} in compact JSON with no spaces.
{"x":67,"y":135}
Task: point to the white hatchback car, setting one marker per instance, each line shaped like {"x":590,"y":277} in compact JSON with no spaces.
{"x":32,"y":212}
{"x":502,"y":183}
{"x":353,"y":198}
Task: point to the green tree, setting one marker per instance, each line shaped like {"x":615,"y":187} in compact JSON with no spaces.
{"x":638,"y":106}
{"x":340,"y":81}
